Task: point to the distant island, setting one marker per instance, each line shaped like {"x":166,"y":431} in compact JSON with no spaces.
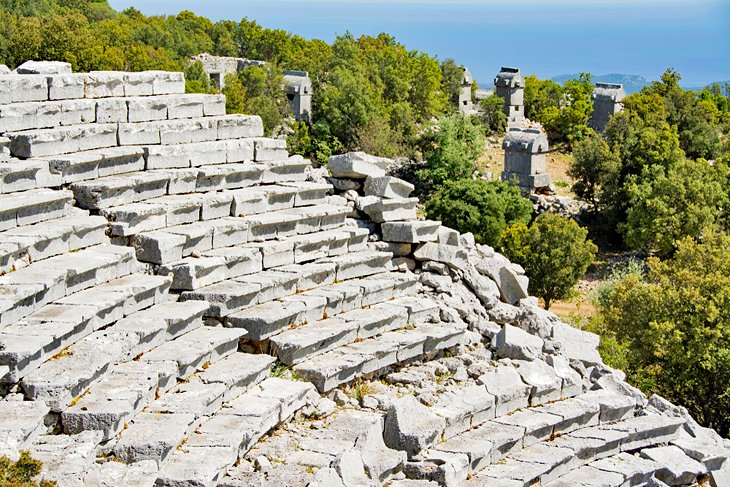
{"x":632,"y":83}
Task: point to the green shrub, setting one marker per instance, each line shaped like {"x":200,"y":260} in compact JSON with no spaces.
{"x":554,"y":253}
{"x":484,"y":208}
{"x":22,"y":472}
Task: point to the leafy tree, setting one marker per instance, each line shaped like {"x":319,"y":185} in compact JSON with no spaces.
{"x":22,"y":472}
{"x":673,"y":327}
{"x":484,"y":208}
{"x":592,"y":166}
{"x":686,"y":201}
{"x":196,"y":79}
{"x":492,"y":114}
{"x":450,"y":147}
{"x":452,"y":75}
{"x":563,"y":110}
{"x":554,"y":253}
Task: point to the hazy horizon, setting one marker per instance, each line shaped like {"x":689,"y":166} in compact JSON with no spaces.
{"x":541,"y":37}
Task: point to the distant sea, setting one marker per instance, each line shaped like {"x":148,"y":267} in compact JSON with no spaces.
{"x":546,"y":37}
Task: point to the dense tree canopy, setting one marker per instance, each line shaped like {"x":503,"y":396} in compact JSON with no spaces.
{"x":672,"y":328}
{"x":649,"y":180}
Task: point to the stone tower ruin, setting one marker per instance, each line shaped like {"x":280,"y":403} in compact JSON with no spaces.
{"x":510,"y":86}
{"x":218,"y":67}
{"x":607,"y":102}
{"x":298,"y":88}
{"x":466,"y":105}
{"x":524,"y":158}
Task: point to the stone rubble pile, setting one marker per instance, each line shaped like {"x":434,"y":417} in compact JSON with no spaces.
{"x":184,"y":304}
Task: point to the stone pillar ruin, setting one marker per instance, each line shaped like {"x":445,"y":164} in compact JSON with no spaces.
{"x":524,"y":158}
{"x":298,"y":88}
{"x":607,"y":102}
{"x":510,"y":85}
{"x":466,"y":105}
{"x":218,"y":67}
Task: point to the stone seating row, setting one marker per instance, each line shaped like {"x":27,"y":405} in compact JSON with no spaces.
{"x":135,"y":187}
{"x":27,"y":343}
{"x":24,"y":245}
{"x":18,"y":117}
{"x":27,"y":290}
{"x":78,"y":138}
{"x":97,"y":84}
{"x":173,"y":210}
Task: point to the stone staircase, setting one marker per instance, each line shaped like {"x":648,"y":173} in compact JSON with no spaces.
{"x":182,"y":303}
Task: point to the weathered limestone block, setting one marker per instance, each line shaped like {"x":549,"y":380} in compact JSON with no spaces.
{"x":354,"y":165}
{"x":506,"y":385}
{"x":66,"y":459}
{"x":512,"y":285}
{"x":387,"y":187}
{"x":411,"y":232}
{"x":454,"y":257}
{"x":20,"y":89}
{"x":240,"y":127}
{"x":20,"y":424}
{"x":192,"y":350}
{"x":512,"y":342}
{"x":66,"y":86}
{"x":577,"y":344}
{"x":121,"y":189}
{"x":546,"y":385}
{"x":136,"y":444}
{"x":4,"y":70}
{"x":677,"y":468}
{"x":27,"y":208}
{"x":44,"y":67}
{"x":64,"y":140}
{"x":575,"y":414}
{"x":104,"y":84}
{"x":112,"y":474}
{"x":193,"y":273}
{"x":93,"y":164}
{"x":411,"y":427}
{"x":268,"y":150}
{"x":22,"y":175}
{"x":381,"y":210}
{"x":112,"y":110}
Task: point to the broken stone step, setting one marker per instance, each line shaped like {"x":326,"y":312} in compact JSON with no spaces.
{"x":21,"y":422}
{"x":63,"y":140}
{"x":34,"y":286}
{"x":113,"y":401}
{"x":93,"y":164}
{"x":238,"y":372}
{"x":268,"y":319}
{"x":24,"y":175}
{"x":286,"y":170}
{"x":188,"y":131}
{"x":111,"y":474}
{"x":355,"y":436}
{"x":34,"y":206}
{"x":361,"y":264}
{"x":643,"y":431}
{"x":174,"y":210}
{"x":411,"y":232}
{"x":232,"y":176}
{"x":387,"y":187}
{"x":220,"y":440}
{"x":193,"y":273}
{"x":380,"y":210}
{"x":633,"y":469}
{"x":371,"y":357}
{"x":66,"y":459}
{"x":22,"y":246}
{"x":319,"y":218}
{"x":305,"y":342}
{"x":198,"y":154}
{"x":72,"y":371}
{"x":356,"y":165}
{"x":43,"y":334}
{"x":120,"y":189}
{"x":197,"y":348}
{"x":266,"y":149}
{"x":309,"y":193}
{"x":152,"y":436}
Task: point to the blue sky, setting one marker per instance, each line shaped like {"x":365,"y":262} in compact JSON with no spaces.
{"x":545,"y":37}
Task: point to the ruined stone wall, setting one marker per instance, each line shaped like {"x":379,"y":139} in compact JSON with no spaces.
{"x":183,"y":303}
